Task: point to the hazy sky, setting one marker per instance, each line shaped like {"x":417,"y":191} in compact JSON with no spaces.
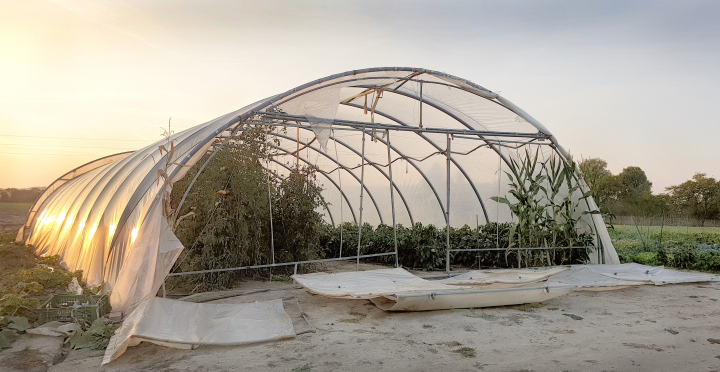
{"x":631,"y":82}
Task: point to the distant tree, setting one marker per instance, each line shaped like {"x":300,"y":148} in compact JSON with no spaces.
{"x":601,"y":181}
{"x":700,"y":196}
{"x":633,"y":184}
{"x":634,"y":192}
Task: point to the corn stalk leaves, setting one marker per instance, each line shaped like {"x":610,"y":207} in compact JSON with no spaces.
{"x":545,"y":201}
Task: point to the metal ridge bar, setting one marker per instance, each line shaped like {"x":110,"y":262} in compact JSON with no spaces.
{"x":431,"y":143}
{"x":339,"y":165}
{"x":389,"y":178}
{"x":360,"y":124}
{"x":514,"y":248}
{"x":347,"y":201}
{"x":348,"y":258}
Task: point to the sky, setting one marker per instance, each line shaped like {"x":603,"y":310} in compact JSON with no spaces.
{"x":631,"y":82}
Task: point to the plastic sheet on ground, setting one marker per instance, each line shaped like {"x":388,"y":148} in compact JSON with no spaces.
{"x":399,"y":290}
{"x":504,"y":276}
{"x":367,"y":284}
{"x":608,"y":277}
{"x":185,"y":325}
{"x":55,"y":329}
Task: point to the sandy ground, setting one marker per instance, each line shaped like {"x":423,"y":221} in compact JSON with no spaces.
{"x":649,"y":328}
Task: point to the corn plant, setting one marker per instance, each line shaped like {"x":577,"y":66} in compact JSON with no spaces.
{"x":545,"y":209}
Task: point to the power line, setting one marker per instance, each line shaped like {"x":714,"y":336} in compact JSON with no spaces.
{"x":74,"y":138}
{"x":74,"y":147}
{"x":29,"y":153}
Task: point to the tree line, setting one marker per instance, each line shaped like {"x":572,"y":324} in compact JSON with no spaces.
{"x":629,"y":193}
{"x":13,"y":195}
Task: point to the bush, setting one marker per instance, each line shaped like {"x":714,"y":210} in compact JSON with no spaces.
{"x":424,"y":247}
{"x":230,"y":209}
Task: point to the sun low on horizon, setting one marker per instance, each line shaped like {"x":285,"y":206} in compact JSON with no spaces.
{"x":80,"y":80}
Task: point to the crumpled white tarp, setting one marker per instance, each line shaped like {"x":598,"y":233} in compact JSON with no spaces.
{"x":183,"y":324}
{"x":146,"y":264}
{"x":400,"y":290}
{"x":367,"y":284}
{"x":55,"y":329}
{"x":594,"y":277}
{"x":505,"y":276}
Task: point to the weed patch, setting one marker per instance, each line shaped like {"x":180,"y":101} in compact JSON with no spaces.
{"x":305,"y":368}
{"x":450,"y":343}
{"x":356,"y":318}
{"x":528,"y":308}
{"x":467,"y":352}
{"x":481,"y":316}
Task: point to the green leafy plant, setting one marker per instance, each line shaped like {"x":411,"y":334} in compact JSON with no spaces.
{"x":546,"y":201}
{"x":229,"y":212}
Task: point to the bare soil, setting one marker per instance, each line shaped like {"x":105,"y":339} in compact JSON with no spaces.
{"x":622,"y":330}
{"x":12,"y":219}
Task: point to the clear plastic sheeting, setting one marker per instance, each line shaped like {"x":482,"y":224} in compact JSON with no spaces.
{"x":506,"y":276}
{"x":147,"y":263}
{"x":186,"y":325}
{"x":367,"y":284}
{"x":607,"y":277}
{"x":400,"y":290}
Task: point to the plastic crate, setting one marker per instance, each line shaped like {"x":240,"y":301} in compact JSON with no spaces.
{"x":71,"y":308}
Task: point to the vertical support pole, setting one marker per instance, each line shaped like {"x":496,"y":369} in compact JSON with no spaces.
{"x":421,"y":101}
{"x":164,"y":292}
{"x":447,"y":207}
{"x":497,"y":210}
{"x":477,"y":228}
{"x":392,"y":199}
{"x":362,"y":188}
{"x":272,"y":236}
{"x":341,"y":193}
{"x":297,"y":152}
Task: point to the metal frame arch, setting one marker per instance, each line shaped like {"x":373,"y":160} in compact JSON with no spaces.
{"x":377,"y":209}
{"x":347,"y":201}
{"x":308,"y":145}
{"x":407,"y":208}
{"x":451,"y":115}
{"x":481,"y":91}
{"x":477,"y":194}
{"x":270,"y":101}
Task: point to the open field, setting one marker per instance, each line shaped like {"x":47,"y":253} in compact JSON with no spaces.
{"x":13,"y":215}
{"x":711,"y":235}
{"x":696,"y":248}
{"x":16,"y":206}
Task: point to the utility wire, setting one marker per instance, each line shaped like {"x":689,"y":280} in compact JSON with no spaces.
{"x":74,"y":138}
{"x":30,"y":153}
{"x":72,"y":147}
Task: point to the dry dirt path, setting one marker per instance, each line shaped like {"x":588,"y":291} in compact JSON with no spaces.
{"x":649,"y":328}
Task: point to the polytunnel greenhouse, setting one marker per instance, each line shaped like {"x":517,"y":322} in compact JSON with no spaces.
{"x":393,"y":146}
